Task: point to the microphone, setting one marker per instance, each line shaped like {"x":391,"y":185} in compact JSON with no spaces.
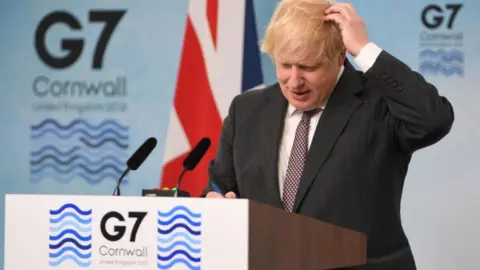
{"x":193,"y":159}
{"x":136,"y":160}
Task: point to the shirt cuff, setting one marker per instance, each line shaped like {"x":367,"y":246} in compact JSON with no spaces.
{"x":367,"y":56}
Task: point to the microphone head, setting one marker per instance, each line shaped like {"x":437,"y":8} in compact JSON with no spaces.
{"x":141,"y":154}
{"x":196,"y":154}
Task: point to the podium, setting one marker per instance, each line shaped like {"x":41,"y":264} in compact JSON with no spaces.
{"x":103,"y":232}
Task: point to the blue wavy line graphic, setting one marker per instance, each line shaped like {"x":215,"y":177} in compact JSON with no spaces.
{"x":62,"y":235}
{"x":104,"y":151}
{"x":97,"y":153}
{"x":92,"y":180}
{"x":445,"y":59}
{"x":79,"y":122}
{"x":176,"y":209}
{"x":70,"y":206}
{"x":70,"y":214}
{"x":63,"y":225}
{"x":176,"y":236}
{"x":70,"y":231}
{"x":443,"y":55}
{"x":177,"y":261}
{"x":445,"y":72}
{"x":438,"y":64}
{"x":72,"y":159}
{"x":73,"y":167}
{"x":54,"y":149}
{"x":177,"y":226}
{"x":83,"y":151}
{"x":79,"y":131}
{"x":102,"y":142}
{"x":428,"y":68}
{"x":177,"y":244}
{"x":70,"y":257}
{"x":175,"y":253}
{"x":70,"y":240}
{"x":178,"y":217}
{"x":430,"y":52}
{"x":70,"y":249}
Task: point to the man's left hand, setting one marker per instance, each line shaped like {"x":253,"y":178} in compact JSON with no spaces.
{"x":354,"y":32}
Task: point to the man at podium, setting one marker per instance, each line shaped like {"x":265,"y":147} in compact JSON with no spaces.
{"x":328,"y":141}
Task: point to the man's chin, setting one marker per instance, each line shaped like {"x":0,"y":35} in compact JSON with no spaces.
{"x":302,"y":105}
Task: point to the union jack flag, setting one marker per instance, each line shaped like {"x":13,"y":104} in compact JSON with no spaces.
{"x":220,"y":59}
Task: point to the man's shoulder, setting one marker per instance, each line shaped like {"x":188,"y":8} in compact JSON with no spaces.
{"x":256,"y":95}
{"x":247,"y":106}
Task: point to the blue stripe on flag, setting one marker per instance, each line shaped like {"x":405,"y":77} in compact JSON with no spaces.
{"x":252,"y":66}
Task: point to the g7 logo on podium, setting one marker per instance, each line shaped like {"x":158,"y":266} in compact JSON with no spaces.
{"x":74,"y":47}
{"x":120,"y":230}
{"x":437,"y":19}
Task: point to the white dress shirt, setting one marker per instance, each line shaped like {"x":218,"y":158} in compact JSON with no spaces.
{"x":364,"y":60}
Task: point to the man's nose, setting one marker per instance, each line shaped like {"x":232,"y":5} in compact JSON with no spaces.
{"x":295,"y":80}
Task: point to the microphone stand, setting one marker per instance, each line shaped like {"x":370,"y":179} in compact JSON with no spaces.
{"x":178,"y":182}
{"x":116,"y":191}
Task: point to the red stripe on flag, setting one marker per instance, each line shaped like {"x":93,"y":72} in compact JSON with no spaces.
{"x":212,"y":16}
{"x":197,"y":112}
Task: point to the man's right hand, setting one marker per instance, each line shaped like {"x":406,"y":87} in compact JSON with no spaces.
{"x":229,"y":195}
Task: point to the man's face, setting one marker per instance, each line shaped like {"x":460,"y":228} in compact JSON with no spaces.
{"x":306,"y":82}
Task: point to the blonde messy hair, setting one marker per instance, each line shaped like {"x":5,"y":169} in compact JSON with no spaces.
{"x":299,"y":29}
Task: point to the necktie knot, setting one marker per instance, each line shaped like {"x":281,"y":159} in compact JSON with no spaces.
{"x":308,"y":114}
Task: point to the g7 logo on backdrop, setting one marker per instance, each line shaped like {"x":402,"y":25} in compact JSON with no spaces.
{"x":434,"y":15}
{"x":120,"y":230}
{"x":74,"y":47}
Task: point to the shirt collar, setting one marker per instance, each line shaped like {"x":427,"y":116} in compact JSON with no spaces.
{"x":292,"y":110}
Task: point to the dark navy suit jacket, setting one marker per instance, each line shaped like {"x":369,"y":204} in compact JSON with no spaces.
{"x":358,"y":159}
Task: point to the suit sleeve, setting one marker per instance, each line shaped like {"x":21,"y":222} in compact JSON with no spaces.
{"x":221,"y":170}
{"x":419,"y":116}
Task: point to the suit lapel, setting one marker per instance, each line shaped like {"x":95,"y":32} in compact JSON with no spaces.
{"x":272,"y":122}
{"x":341,"y":105}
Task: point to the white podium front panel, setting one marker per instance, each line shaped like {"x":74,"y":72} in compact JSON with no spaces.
{"x":98,"y":232}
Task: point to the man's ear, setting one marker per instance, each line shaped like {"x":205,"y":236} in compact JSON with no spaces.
{"x":341,"y":57}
